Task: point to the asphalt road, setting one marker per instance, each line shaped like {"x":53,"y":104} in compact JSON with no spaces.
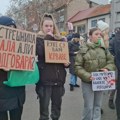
{"x":71,"y":108}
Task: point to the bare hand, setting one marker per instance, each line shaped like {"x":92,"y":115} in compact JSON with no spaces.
{"x":50,"y":33}
{"x":92,"y":78}
{"x":104,"y":70}
{"x":66,"y":64}
{"x":6,"y":69}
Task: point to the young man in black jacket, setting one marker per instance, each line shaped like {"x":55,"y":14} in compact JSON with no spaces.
{"x":114,"y":48}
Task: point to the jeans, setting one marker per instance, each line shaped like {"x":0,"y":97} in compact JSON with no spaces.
{"x":73,"y":79}
{"x":92,"y":102}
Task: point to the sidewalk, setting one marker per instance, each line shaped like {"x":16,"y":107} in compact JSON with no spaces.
{"x":71,"y":108}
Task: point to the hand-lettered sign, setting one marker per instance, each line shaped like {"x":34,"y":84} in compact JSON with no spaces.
{"x":56,"y":52}
{"x":17,"y":49}
{"x":103,"y":81}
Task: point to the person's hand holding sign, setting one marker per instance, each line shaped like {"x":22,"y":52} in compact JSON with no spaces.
{"x":6,"y":69}
{"x":50,"y":33}
{"x":66,"y":64}
{"x":92,"y":78}
{"x":104,"y":70}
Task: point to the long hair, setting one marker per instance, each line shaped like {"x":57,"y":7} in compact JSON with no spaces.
{"x":48,"y":16}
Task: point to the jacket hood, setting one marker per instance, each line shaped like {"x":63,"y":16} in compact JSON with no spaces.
{"x":40,"y":34}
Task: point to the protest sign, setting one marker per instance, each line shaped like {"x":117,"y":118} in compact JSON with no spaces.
{"x":56,"y":52}
{"x":103,"y":81}
{"x":17,"y":49}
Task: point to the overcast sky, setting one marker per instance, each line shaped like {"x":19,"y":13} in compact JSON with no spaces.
{"x":3,"y":6}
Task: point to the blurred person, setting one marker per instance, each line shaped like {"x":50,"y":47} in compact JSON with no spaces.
{"x":114,"y":48}
{"x":11,"y":98}
{"x":74,"y":45}
{"x":104,"y":27}
{"x":92,"y":57}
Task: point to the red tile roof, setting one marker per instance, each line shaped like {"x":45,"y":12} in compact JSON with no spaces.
{"x":90,"y":12}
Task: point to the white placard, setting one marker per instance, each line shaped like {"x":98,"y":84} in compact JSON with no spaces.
{"x":103,"y":81}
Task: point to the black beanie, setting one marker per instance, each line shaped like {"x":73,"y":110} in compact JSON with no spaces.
{"x":76,"y":35}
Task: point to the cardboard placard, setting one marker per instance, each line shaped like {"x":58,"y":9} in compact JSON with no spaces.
{"x":103,"y":81}
{"x":17,"y":49}
{"x":56,"y":52}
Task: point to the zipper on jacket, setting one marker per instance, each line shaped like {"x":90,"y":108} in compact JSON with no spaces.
{"x":57,"y":71}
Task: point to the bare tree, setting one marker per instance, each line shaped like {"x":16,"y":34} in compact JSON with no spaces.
{"x":29,"y":12}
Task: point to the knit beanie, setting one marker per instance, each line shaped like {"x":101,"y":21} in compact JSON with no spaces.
{"x":102,"y":25}
{"x":7,"y":21}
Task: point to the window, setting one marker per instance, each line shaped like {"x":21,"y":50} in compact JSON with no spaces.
{"x":74,"y":28}
{"x":81,"y":29}
{"x":61,"y":18}
{"x":60,"y":15}
{"x":103,"y":19}
{"x":118,"y":16}
{"x":93,"y":23}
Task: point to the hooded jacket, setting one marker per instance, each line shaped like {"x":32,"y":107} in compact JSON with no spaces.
{"x":50,"y":73}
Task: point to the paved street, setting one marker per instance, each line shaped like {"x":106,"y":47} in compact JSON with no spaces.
{"x":71,"y":108}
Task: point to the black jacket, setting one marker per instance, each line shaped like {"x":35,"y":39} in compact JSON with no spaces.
{"x":73,"y":47}
{"x":114,"y":47}
{"x":10,"y":97}
{"x":50,"y":73}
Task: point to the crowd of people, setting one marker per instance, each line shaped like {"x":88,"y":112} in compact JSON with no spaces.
{"x":99,"y":53}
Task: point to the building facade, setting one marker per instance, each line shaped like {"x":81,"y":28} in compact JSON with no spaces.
{"x":87,"y":19}
{"x":66,"y":10}
{"x":115,"y":14}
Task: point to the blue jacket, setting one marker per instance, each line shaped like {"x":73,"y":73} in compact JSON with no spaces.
{"x":73,"y":47}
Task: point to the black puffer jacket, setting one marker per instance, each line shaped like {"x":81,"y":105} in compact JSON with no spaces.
{"x":50,"y":73}
{"x":114,"y":47}
{"x":10,"y":97}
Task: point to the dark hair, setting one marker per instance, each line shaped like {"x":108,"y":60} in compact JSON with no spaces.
{"x":92,"y":30}
{"x":76,"y":35}
{"x":47,"y":15}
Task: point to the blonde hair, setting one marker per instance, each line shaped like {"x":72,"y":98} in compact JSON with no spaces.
{"x":48,"y":16}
